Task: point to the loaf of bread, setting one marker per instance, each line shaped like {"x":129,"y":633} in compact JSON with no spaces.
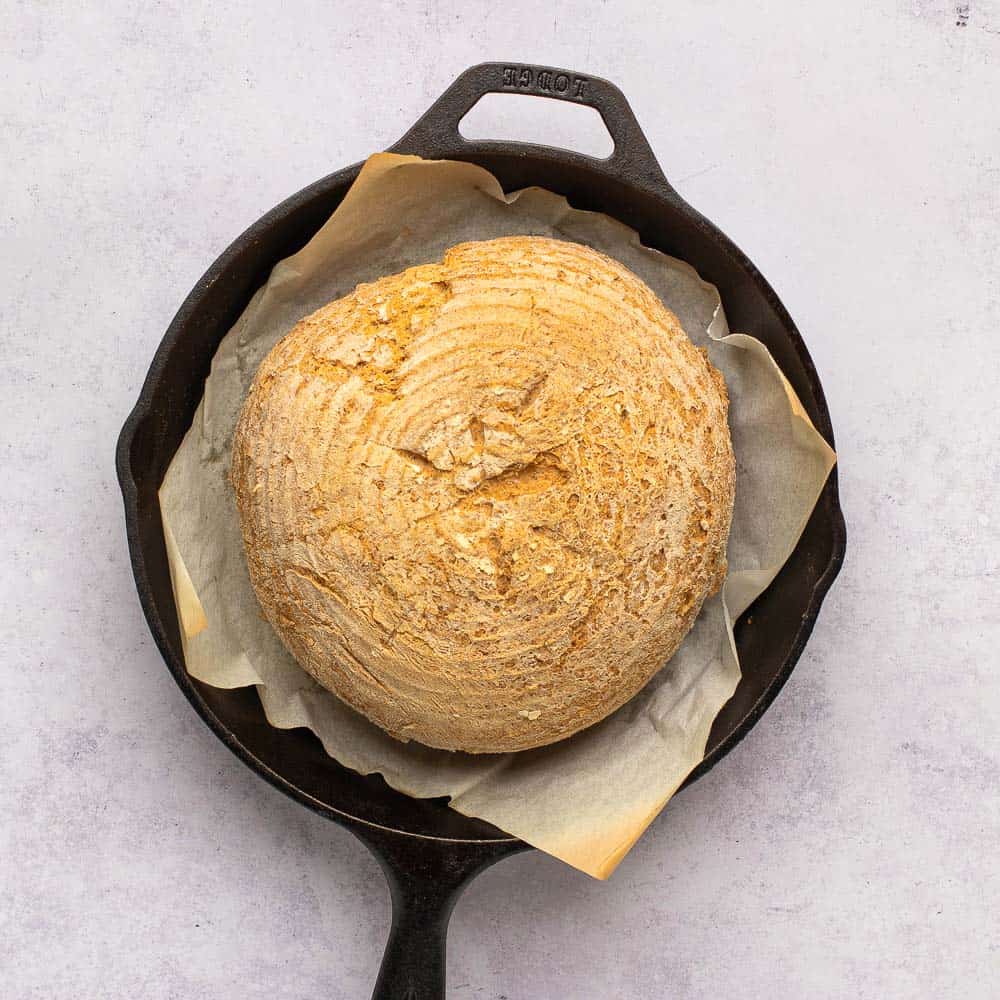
{"x":483,"y":500}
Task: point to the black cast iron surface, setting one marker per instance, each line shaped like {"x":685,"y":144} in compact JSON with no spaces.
{"x":428,"y":851}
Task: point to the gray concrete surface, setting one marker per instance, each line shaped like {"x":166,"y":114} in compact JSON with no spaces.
{"x":849,"y":848}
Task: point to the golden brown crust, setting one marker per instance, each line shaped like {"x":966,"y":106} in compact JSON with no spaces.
{"x":483,"y":500}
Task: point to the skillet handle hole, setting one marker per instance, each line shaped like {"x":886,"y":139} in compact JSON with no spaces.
{"x":538,"y":120}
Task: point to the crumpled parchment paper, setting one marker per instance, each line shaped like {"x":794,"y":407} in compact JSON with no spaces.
{"x":587,"y":799}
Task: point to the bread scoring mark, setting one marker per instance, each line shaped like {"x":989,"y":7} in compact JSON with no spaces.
{"x":542,"y":473}
{"x":421,"y":463}
{"x":533,"y":391}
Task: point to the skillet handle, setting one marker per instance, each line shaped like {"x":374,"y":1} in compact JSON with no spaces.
{"x":425,"y":877}
{"x":632,"y":159}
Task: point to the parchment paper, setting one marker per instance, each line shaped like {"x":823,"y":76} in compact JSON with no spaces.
{"x":587,"y":799}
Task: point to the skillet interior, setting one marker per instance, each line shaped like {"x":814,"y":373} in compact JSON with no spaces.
{"x":294,"y":760}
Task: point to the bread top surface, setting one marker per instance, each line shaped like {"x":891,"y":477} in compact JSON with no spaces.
{"x":483,"y":500}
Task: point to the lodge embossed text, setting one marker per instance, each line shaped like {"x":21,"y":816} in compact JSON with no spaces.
{"x":541,"y":81}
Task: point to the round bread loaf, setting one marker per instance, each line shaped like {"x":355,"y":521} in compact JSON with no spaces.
{"x":483,"y":500}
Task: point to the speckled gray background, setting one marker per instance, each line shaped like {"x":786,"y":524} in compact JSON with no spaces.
{"x":849,"y":847}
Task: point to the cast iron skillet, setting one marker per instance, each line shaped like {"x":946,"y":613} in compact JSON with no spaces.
{"x":429,"y":852}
